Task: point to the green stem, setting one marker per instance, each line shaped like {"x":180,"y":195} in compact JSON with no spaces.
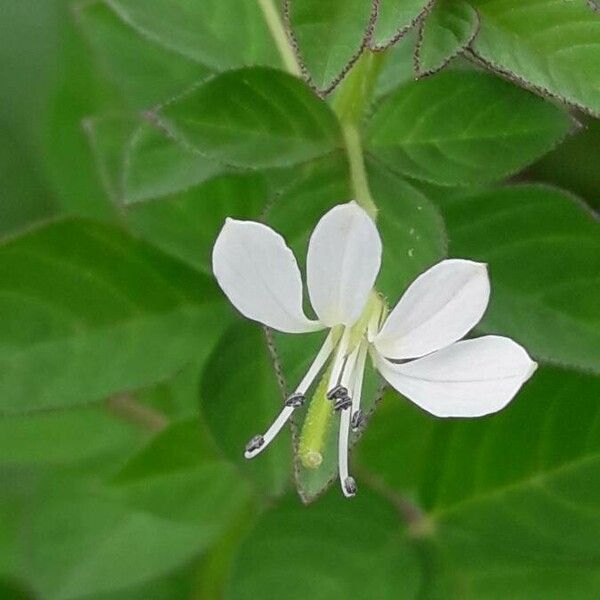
{"x":349,"y":104}
{"x":358,"y":172}
{"x":279,"y":35}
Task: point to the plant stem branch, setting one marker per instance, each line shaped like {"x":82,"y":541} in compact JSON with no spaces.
{"x":349,"y":104}
{"x":129,"y":409}
{"x":275,"y":25}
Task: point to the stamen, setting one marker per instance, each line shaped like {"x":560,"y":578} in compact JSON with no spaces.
{"x":259,"y":442}
{"x":357,"y":414}
{"x":357,"y":420}
{"x":343,"y":404}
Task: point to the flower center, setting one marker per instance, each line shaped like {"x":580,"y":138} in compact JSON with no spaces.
{"x":339,"y":391}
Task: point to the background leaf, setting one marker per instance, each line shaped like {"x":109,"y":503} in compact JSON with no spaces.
{"x":240,"y":399}
{"x":394,"y":19}
{"x":144,"y":71}
{"x":519,"y":40}
{"x":80,"y":298}
{"x":549,"y":302}
{"x":449,"y":29}
{"x":512,"y":502}
{"x":254,"y":117}
{"x":221,"y":34}
{"x":343,"y":555}
{"x":328,"y":36}
{"x":482,"y":131}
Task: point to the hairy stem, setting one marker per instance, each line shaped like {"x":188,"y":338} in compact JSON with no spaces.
{"x":126,"y":407}
{"x":349,"y":104}
{"x":275,"y":25}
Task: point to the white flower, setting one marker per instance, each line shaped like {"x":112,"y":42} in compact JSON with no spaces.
{"x":416,"y":348}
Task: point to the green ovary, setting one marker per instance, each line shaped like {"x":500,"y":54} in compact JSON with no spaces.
{"x":316,"y":426}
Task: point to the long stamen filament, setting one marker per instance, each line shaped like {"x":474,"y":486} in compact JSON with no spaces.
{"x":356,"y":418}
{"x":259,"y":442}
{"x":347,"y":483}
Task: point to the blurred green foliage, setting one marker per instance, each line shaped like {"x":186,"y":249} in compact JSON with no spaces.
{"x":128,"y":386}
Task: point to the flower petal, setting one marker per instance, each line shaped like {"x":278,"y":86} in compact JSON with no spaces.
{"x":344,"y":256}
{"x":467,"y":379}
{"x":439,"y":307}
{"x":260,"y":276}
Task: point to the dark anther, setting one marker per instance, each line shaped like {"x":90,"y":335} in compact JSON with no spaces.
{"x":357,"y":420}
{"x":255,"y":443}
{"x":295,"y":400}
{"x":350,"y":486}
{"x":342,"y":403}
{"x":339,"y":391}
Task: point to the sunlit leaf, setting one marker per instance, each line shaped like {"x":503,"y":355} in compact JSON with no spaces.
{"x":253,"y":117}
{"x":329,"y":36}
{"x":543,"y":250}
{"x":463,"y":127}
{"x":448,"y":30}
{"x":550,"y":45}
{"x":396,"y":18}
{"x":90,"y":311}
{"x":334,"y":549}
{"x":221,"y":34}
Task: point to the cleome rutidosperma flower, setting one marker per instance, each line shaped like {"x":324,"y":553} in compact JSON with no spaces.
{"x":415,"y":347}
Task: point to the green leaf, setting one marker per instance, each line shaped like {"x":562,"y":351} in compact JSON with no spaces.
{"x":221,"y":34}
{"x":413,"y":239}
{"x":572,"y":165}
{"x":68,"y":161}
{"x":398,"y":65}
{"x":449,"y":29}
{"x":332,"y":550}
{"x":137,"y":162}
{"x":553,"y":47}
{"x":55,"y":438}
{"x":395,"y":19}
{"x":24,"y":200}
{"x":254,"y":117}
{"x":240,"y":396}
{"x":548,"y":303}
{"x":178,"y":476}
{"x":85,"y":540}
{"x":411,"y":228}
{"x":90,"y":311}
{"x":512,"y":499}
{"x":482,"y":130}
{"x":186,"y":224}
{"x":328,"y":37}
{"x":144,"y":71}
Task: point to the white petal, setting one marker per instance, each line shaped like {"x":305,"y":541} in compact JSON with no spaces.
{"x":440,"y":307}
{"x":260,"y":276}
{"x":344,"y":256}
{"x":467,"y":379}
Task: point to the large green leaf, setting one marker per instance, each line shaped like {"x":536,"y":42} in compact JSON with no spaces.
{"x":138,"y":162}
{"x":240,"y":396}
{"x":89,"y":311}
{"x":178,"y":477}
{"x":543,"y":249}
{"x":186,"y":224}
{"x":144,"y":71}
{"x":512,"y":499}
{"x":84,"y":539}
{"x":254,"y":117}
{"x":55,"y":438}
{"x":448,"y":30}
{"x":328,"y":37}
{"x":221,"y":34}
{"x":395,"y":18}
{"x":24,"y":199}
{"x":335,"y":549}
{"x":463,"y":127}
{"x":549,"y":45}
